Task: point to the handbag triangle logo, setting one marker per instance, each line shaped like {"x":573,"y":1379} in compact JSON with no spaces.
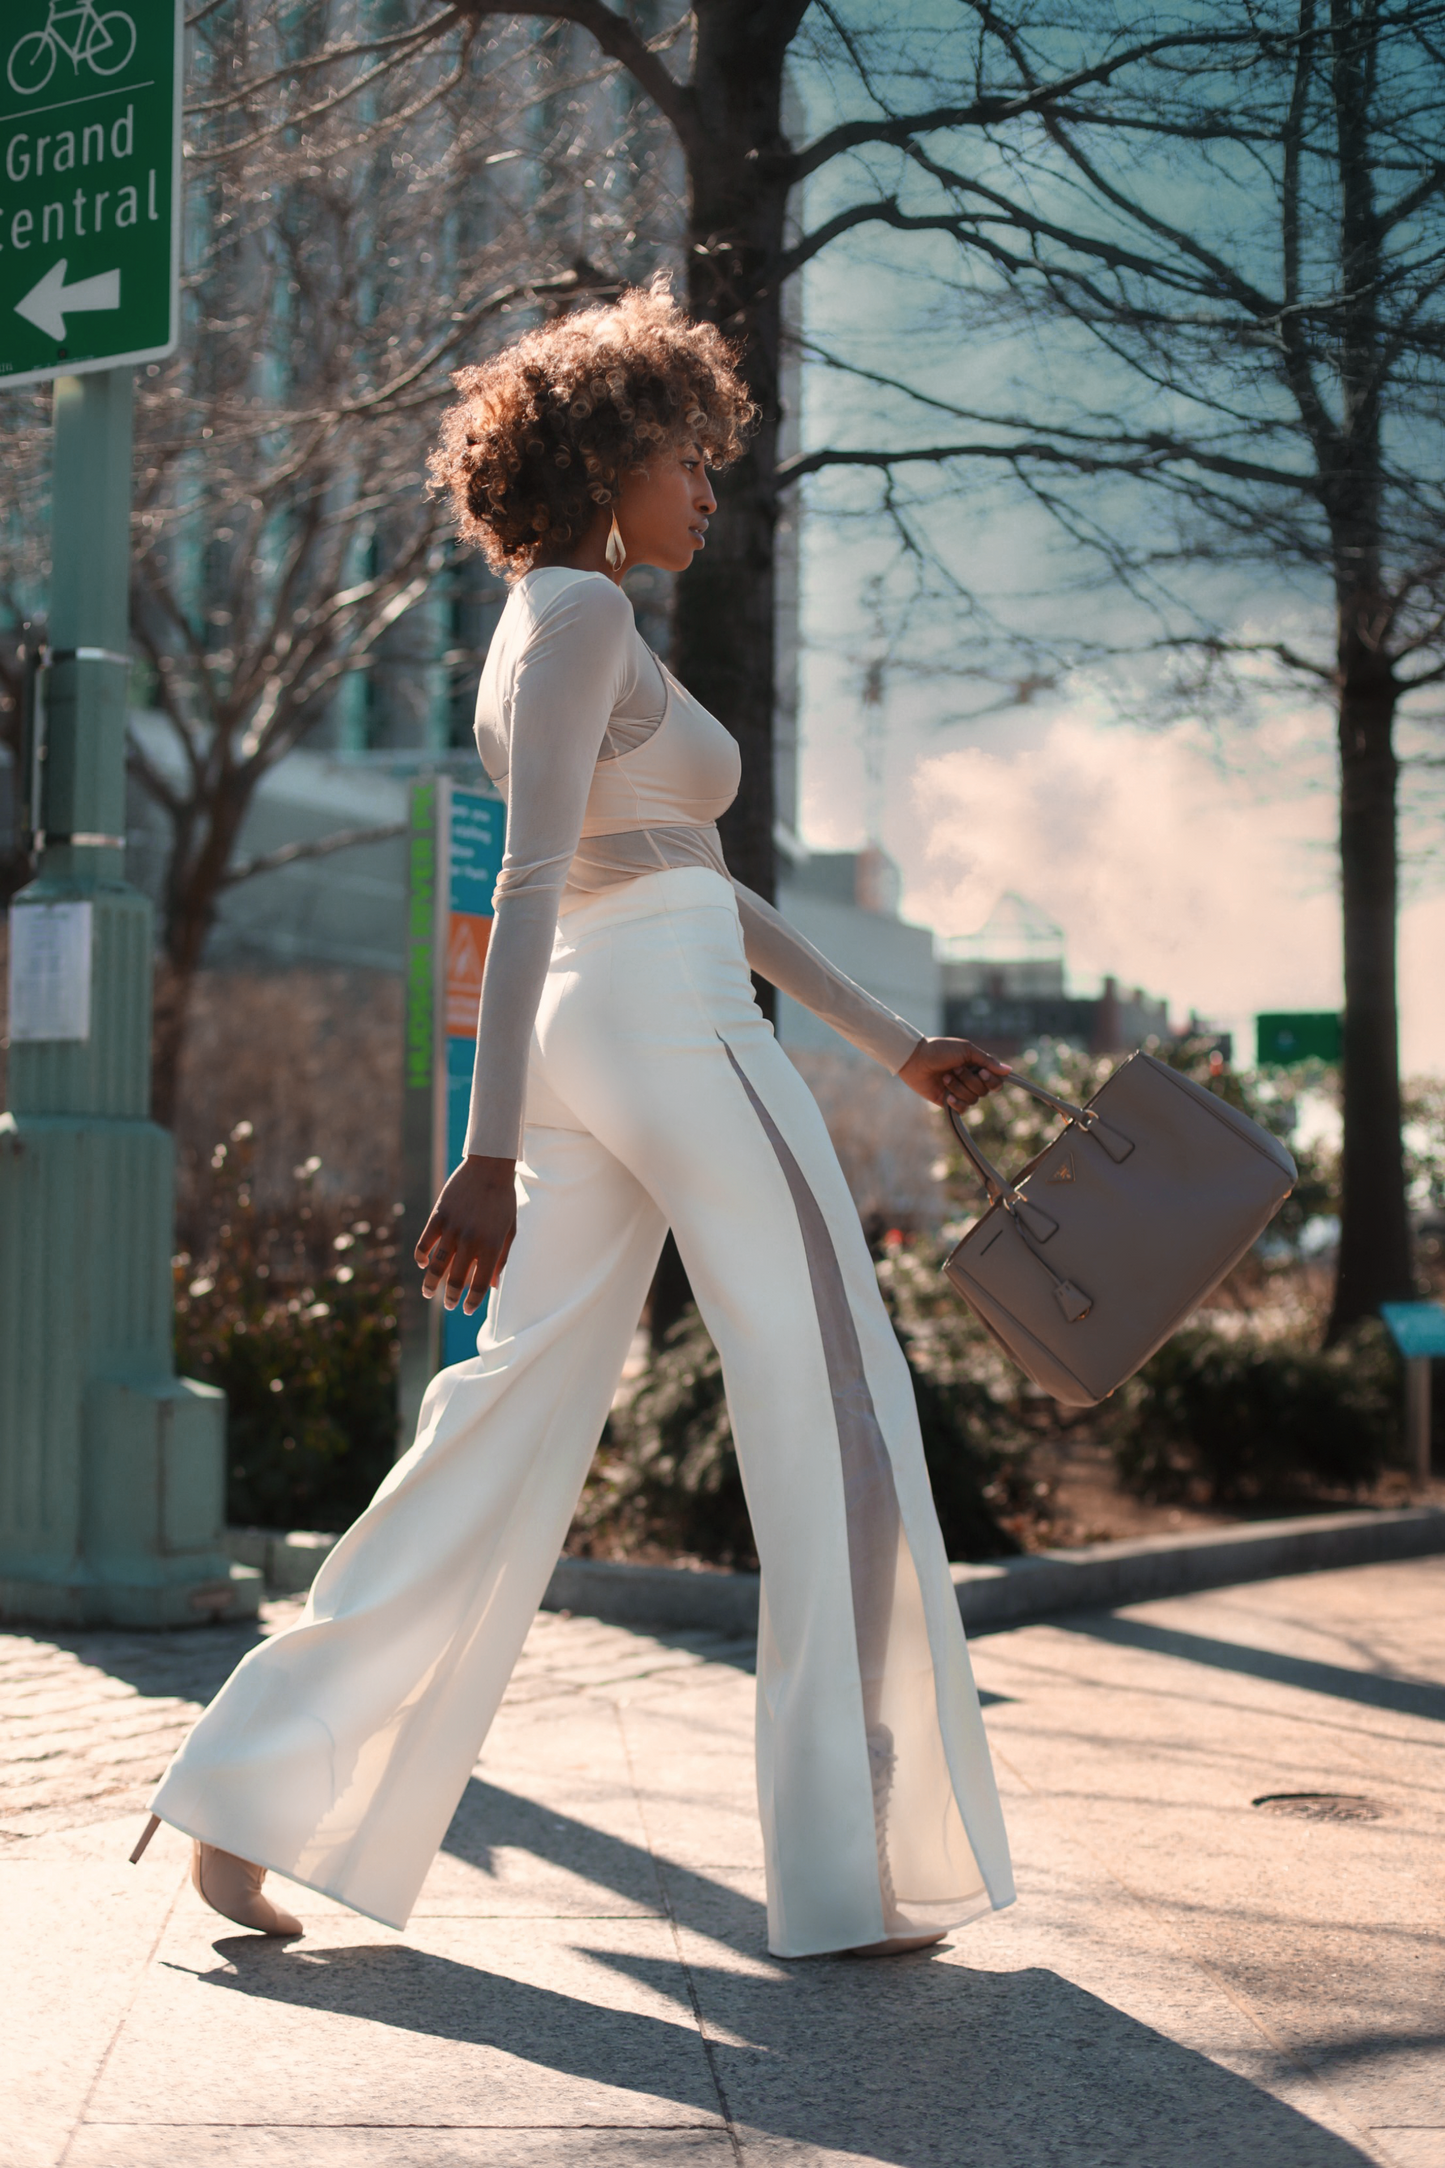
{"x":1064,"y":1172}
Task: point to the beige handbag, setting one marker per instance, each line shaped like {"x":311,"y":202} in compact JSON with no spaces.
{"x":1099,"y":1249}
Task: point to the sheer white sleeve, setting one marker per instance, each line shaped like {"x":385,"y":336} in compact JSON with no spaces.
{"x":571,"y":674}
{"x":779,"y":954}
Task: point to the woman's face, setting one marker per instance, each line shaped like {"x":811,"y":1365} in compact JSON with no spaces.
{"x":663,"y":513}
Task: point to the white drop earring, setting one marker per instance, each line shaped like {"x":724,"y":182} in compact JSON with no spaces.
{"x":616,"y":548}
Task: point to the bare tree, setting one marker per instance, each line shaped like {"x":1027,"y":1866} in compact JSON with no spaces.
{"x":1237,"y":215}
{"x":347,"y":242}
{"x":716,"y":77}
{"x":1244,"y":216}
{"x":1251,"y":240}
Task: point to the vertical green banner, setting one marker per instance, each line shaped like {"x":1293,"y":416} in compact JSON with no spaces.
{"x":90,"y":195}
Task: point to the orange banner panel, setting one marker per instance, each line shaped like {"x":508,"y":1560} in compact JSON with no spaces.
{"x":467,"y":938}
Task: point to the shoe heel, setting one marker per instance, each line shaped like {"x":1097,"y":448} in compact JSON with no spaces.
{"x":150,"y":1829}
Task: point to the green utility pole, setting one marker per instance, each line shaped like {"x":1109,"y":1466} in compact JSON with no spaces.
{"x":112,"y":1469}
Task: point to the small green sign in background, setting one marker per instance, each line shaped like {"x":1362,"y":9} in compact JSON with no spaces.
{"x":89,"y":184}
{"x":1296,"y":1035}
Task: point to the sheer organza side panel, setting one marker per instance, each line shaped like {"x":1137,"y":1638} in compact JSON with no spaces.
{"x":928,"y":1876}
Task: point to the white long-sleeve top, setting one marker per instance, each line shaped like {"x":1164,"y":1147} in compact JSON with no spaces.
{"x":610,"y":770}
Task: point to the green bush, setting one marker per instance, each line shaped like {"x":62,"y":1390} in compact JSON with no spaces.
{"x":1237,"y":1422}
{"x":666,"y":1478}
{"x":292,"y":1312}
{"x":980,"y":1417}
{"x":972,"y":1478}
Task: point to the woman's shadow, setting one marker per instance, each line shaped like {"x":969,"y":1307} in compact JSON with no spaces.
{"x":909,"y":2062}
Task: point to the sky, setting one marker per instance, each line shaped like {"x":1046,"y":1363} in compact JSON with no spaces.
{"x":1192,"y":855}
{"x":1207,"y":881}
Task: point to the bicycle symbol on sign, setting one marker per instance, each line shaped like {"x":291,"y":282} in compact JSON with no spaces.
{"x":102,"y":43}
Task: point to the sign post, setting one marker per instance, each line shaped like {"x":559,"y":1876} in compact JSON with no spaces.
{"x":112,"y":1469}
{"x":456,"y":838}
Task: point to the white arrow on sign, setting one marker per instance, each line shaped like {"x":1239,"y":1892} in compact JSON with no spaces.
{"x":50,"y":298}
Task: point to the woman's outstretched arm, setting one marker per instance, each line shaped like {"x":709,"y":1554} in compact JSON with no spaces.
{"x":937,"y":1069}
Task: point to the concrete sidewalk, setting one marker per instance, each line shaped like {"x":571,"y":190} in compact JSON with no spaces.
{"x":1188,"y":1981}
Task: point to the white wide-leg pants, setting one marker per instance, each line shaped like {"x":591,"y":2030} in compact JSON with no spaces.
{"x":337,"y":1751}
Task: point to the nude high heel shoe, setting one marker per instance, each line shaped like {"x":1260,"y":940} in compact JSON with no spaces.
{"x":232,"y":1887}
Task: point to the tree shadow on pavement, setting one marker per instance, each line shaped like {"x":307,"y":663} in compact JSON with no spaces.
{"x":193,"y":1663}
{"x":186,"y":1663}
{"x":1373,"y":1689}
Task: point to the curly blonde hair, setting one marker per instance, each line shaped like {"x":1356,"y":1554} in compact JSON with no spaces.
{"x":542,"y":434}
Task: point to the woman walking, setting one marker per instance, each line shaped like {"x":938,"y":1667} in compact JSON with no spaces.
{"x":626,"y":1082}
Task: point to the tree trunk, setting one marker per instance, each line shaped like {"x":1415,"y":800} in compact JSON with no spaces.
{"x":1375,"y":1250}
{"x":1375,"y":1263}
{"x":191,"y":896}
{"x":737,"y":209}
{"x":169,"y":1016}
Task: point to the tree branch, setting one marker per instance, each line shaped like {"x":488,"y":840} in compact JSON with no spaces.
{"x":333,"y":99}
{"x":621,"y":43}
{"x":1142,"y":456}
{"x":343,"y":839}
{"x":328,"y":57}
{"x":992,"y":112}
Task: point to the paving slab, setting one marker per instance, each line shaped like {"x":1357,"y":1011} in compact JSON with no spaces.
{"x":1145,"y":1737}
{"x":566,"y":2024}
{"x":1189,"y":1980}
{"x":113,"y":2145}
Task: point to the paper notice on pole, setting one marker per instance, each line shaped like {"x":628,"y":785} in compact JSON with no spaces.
{"x":50,"y":945}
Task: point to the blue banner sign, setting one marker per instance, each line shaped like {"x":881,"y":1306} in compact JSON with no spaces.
{"x":1417,"y":1328}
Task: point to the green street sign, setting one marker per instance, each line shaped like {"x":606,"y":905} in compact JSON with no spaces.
{"x":1297,"y":1035}
{"x":90,"y":194}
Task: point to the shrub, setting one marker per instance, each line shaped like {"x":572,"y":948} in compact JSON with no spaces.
{"x":666,"y":1478}
{"x":975,"y":1484}
{"x":292,"y":1311}
{"x":1235,"y":1422}
{"x":666,"y":1475}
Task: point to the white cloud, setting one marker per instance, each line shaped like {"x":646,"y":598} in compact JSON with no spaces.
{"x":1174,"y":872}
{"x":1422,"y":987}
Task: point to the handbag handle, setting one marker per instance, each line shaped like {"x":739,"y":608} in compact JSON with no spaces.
{"x":999,"y":1189}
{"x":1034,"y":1227}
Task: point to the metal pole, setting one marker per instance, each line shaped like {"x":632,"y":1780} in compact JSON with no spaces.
{"x":1417,"y":1417}
{"x":111,"y":1468}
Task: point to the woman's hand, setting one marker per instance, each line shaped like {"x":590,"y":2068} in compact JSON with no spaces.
{"x":952,"y":1072}
{"x":464,"y":1244}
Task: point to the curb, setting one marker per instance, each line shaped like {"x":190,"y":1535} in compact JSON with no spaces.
{"x":665,"y":1596}
{"x":1004,"y":1593}
{"x":289,"y":1562}
{"x":1016,"y":1591}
